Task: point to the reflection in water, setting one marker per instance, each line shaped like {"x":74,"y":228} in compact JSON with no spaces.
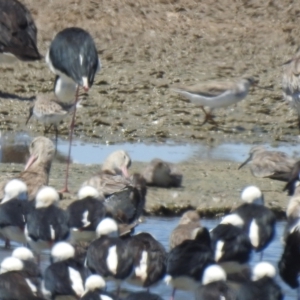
{"x":161,"y":228}
{"x":13,"y":148}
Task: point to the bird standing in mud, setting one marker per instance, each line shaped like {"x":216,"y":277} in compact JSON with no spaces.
{"x":216,"y":94}
{"x":73,"y":57}
{"x":291,"y":82}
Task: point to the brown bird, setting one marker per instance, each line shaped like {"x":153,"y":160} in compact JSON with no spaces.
{"x":291,"y":82}
{"x":124,"y":195}
{"x":37,"y":169}
{"x":50,"y":111}
{"x":162,"y":174}
{"x":187,"y":228}
{"x":18,"y":33}
{"x":269,"y":164}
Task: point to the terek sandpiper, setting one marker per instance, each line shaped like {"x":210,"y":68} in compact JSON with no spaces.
{"x":291,"y":82}
{"x":216,"y":94}
{"x":17,"y":33}
{"x":50,"y":111}
{"x":73,"y":57}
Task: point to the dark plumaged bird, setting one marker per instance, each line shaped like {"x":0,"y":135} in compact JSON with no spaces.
{"x":230,"y":241}
{"x":18,"y":33}
{"x":149,"y":260}
{"x":162,"y":174}
{"x":269,"y":164}
{"x":13,"y":211}
{"x":293,"y":180}
{"x":109,"y":255}
{"x":214,"y":286}
{"x":95,"y":289}
{"x":262,"y":286}
{"x":65,"y":276}
{"x":187,"y":228}
{"x":73,"y":57}
{"x":259,"y":221}
{"x":187,"y":262}
{"x":85,"y":215}
{"x":30,"y":268}
{"x":124,"y":195}
{"x":46,"y":222}
{"x":289,"y":264}
{"x":13,"y":281}
{"x":143,"y":296}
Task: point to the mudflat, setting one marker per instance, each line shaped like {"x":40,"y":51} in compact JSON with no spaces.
{"x":146,"y":47}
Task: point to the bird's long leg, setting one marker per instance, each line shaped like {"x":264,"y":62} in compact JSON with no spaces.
{"x":56,"y":138}
{"x":65,"y":189}
{"x":208,"y":117}
{"x":173,"y":294}
{"x":46,"y":130}
{"x":7,"y":244}
{"x":299,"y":121}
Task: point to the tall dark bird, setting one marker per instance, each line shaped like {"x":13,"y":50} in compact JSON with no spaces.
{"x":65,"y":276}
{"x":46,"y":222}
{"x":95,"y":289}
{"x":187,"y":261}
{"x":149,"y":260}
{"x":262,"y":286}
{"x":85,"y":215}
{"x":74,"y":59}
{"x":13,"y":211}
{"x":259,"y":221}
{"x":18,"y":33}
{"x":230,"y":241}
{"x":14,"y":284}
{"x":214,"y":286}
{"x":109,"y":255}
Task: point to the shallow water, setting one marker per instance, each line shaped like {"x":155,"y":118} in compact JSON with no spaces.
{"x":161,"y":228}
{"x":13,"y":149}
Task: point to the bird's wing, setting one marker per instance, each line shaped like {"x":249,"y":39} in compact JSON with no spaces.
{"x":210,"y":89}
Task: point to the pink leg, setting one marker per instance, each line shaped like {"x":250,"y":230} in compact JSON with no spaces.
{"x":65,"y":189}
{"x":173,"y":294}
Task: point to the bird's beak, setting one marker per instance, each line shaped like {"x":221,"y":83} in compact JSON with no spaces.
{"x":245,"y":162}
{"x":30,"y":161}
{"x":125,"y":171}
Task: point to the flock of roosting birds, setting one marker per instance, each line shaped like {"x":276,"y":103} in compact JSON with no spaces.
{"x":93,"y":239}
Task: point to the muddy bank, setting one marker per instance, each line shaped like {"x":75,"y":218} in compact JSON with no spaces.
{"x":213,"y":187}
{"x":146,"y":47}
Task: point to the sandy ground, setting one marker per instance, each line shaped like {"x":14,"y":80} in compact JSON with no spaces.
{"x":145,"y":48}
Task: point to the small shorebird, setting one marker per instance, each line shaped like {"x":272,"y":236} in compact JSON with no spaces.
{"x":162,"y":174}
{"x":216,"y":94}
{"x":50,"y":111}
{"x":269,"y":164}
{"x":37,"y":169}
{"x":74,"y":59}
{"x":291,"y":82}
{"x":17,"y":33}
